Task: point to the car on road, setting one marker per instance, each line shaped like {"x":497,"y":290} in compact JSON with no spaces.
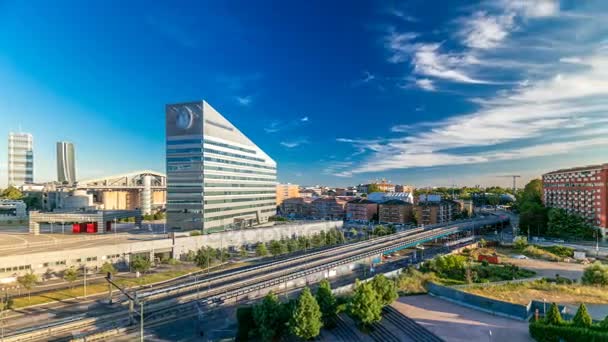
{"x":520,"y":256}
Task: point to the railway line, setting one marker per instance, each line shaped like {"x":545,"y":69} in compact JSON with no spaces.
{"x":168,"y":301}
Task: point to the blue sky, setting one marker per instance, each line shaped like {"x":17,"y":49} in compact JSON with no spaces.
{"x":341,"y":92}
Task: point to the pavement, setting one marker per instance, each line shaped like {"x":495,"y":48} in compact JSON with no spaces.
{"x":548,"y":268}
{"x":455,"y":323}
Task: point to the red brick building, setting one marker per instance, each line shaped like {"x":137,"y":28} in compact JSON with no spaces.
{"x":361,"y":209}
{"x":580,"y":190}
{"x":328,"y":208}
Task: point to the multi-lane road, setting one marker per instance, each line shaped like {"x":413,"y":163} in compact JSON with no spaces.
{"x":163,"y":301}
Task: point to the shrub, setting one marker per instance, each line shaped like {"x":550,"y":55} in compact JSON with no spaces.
{"x":551,"y":333}
{"x":553,"y":316}
{"x":596,"y":274}
{"x":520,"y":243}
{"x":582,"y":318}
{"x":537,"y":253}
{"x":245,"y":323}
{"x":195,"y":233}
{"x":561,"y":251}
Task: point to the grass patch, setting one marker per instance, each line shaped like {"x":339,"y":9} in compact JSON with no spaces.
{"x":412,"y":281}
{"x":96,"y":288}
{"x":523,"y":293}
{"x":538,"y":253}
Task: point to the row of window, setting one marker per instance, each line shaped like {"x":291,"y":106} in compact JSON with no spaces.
{"x":224,"y":161}
{"x":217,"y":210}
{"x":15,"y":268}
{"x":216,"y":218}
{"x":228,"y":169}
{"x":233,"y":185}
{"x":199,"y":141}
{"x":236,"y":178}
{"x":231,"y":200}
{"x":235,"y":155}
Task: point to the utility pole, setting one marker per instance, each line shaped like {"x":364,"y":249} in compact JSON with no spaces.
{"x":84,"y":267}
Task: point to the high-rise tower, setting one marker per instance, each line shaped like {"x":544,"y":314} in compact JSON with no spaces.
{"x":217,"y":178}
{"x":20,"y":159}
{"x":66,"y":165}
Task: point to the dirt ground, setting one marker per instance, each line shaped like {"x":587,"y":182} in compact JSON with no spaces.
{"x":549,"y":269}
{"x":455,"y":323}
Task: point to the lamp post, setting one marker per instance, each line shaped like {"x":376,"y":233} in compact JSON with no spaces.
{"x":84,"y":268}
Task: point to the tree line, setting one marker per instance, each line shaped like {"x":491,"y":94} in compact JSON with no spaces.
{"x":271,"y":319}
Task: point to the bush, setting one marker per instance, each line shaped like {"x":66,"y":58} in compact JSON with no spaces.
{"x":245,"y":323}
{"x":582,"y":318}
{"x":553,"y":316}
{"x":520,"y":243}
{"x":561,"y":251}
{"x":596,"y":274}
{"x":195,"y":233}
{"x":551,"y":333}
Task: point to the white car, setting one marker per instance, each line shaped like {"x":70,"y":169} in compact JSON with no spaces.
{"x":520,"y":256}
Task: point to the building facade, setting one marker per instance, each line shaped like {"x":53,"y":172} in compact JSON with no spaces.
{"x":297,"y":207}
{"x":581,"y":191}
{"x":285,"y":191}
{"x":361,"y":209}
{"x":217,"y":178}
{"x":395,"y":211}
{"x":20,"y":159}
{"x":328,"y":208}
{"x":433,"y":212}
{"x":66,"y":163}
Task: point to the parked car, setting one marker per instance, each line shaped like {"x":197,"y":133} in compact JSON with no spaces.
{"x":520,"y":256}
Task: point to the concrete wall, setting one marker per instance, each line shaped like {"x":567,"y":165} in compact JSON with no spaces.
{"x":57,"y":259}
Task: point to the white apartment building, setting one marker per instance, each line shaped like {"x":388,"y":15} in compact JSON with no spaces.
{"x":217,"y":178}
{"x":20,"y":159}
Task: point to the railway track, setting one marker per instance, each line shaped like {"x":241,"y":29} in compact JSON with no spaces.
{"x":175,"y":300}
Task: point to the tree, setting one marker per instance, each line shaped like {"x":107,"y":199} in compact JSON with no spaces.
{"x":260,"y":250}
{"x":107,"y":267}
{"x":365,"y":306}
{"x":327,"y":303}
{"x":306,"y":318}
{"x":70,"y":275}
{"x":373,"y":188}
{"x":245,"y":323}
{"x":595,"y":274}
{"x":266,"y":316}
{"x":604,"y":323}
{"x":520,"y":243}
{"x":11,"y":193}
{"x":385,"y":289}
{"x":582,"y":318}
{"x":28,"y":281}
{"x":206,"y":256}
{"x":141,"y":264}
{"x":243,"y":251}
{"x":553,"y":316}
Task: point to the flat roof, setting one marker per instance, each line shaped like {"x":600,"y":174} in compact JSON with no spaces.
{"x":578,"y":168}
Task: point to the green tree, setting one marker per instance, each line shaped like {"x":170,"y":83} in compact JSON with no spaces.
{"x":292,"y":245}
{"x":385,"y":289}
{"x":364,"y":305}
{"x":245,"y":323}
{"x":532,"y":212}
{"x":553,"y":316}
{"x":260,"y":250}
{"x":11,"y":193}
{"x":520,"y":243}
{"x":28,"y":281}
{"x":70,"y":275}
{"x":595,"y":274}
{"x":604,"y":323}
{"x":141,"y":264}
{"x":582,"y":318}
{"x":243,"y":251}
{"x":306,"y":318}
{"x":107,"y":267}
{"x":266,"y":316}
{"x":373,"y":188}
{"x":327,"y":303}
{"x":205,"y":256}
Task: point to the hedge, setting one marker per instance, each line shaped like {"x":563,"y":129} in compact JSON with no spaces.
{"x":542,"y":332}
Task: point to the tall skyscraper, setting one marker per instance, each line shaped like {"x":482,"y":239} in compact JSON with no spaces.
{"x":66,"y":164}
{"x":20,"y":159}
{"x":216,"y":177}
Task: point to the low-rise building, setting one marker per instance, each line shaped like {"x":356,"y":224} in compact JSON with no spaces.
{"x":12,"y":209}
{"x":395,"y":211}
{"x":404,"y":188}
{"x":298,"y":207}
{"x":361,"y":209}
{"x":331,"y":208}
{"x":380,"y":197}
{"x":285,"y":191}
{"x":433,"y":212}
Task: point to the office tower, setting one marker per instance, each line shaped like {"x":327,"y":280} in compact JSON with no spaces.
{"x":20,"y":159}
{"x":217,"y":178}
{"x":66,"y":165}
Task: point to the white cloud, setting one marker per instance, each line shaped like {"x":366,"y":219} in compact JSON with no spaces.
{"x":304,"y":119}
{"x":532,"y":8}
{"x":277,"y":125}
{"x":428,"y":60}
{"x":483,"y":31}
{"x":244,"y":100}
{"x":426,"y":84}
{"x":294,"y":143}
{"x":568,"y":110}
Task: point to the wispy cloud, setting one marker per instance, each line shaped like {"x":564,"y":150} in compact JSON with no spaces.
{"x":244,"y":100}
{"x":294,"y":143}
{"x":278,"y":125}
{"x":551,"y":116}
{"x":426,"y":84}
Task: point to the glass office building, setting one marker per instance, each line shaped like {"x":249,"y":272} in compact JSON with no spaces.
{"x":66,"y":164}
{"x":217,"y":178}
{"x":20,"y":159}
